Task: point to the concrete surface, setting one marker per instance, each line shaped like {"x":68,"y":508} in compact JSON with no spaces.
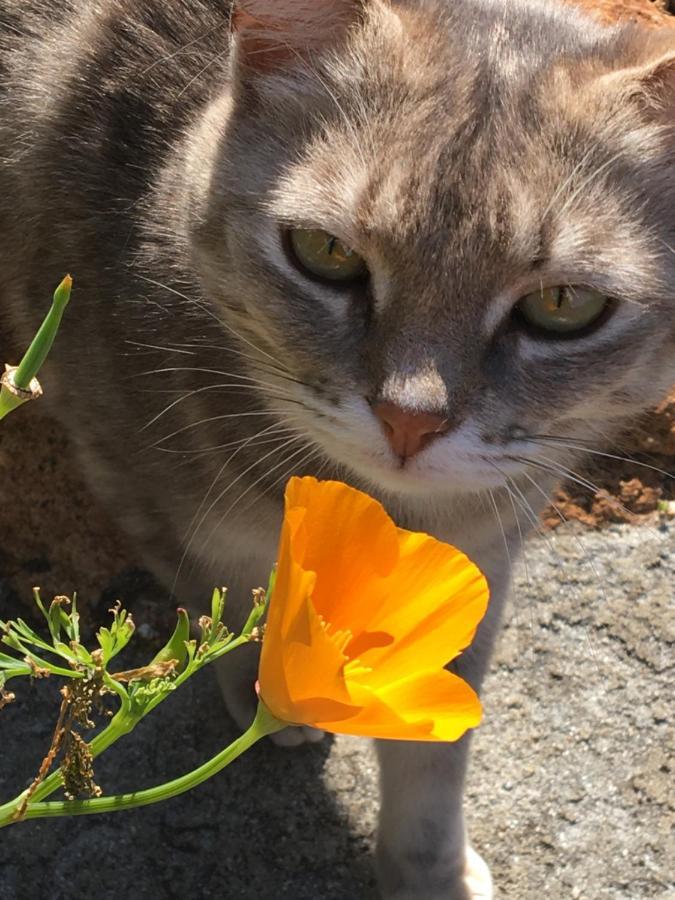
{"x":571,"y":794}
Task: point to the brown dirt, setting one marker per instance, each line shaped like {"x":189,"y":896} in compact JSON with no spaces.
{"x":628,"y":491}
{"x":55,"y":535}
{"x":650,"y":12}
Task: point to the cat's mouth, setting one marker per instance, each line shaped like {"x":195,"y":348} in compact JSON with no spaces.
{"x":442,"y":468}
{"x":464,"y":474}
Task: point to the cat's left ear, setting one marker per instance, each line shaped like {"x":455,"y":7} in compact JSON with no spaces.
{"x":272,"y":34}
{"x":649,"y":80}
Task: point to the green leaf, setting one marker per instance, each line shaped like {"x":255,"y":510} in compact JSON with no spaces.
{"x":25,"y":632}
{"x":176,"y":646}
{"x":218,"y":605}
{"x":114,"y":639}
{"x":11,"y":667}
{"x":36,"y":354}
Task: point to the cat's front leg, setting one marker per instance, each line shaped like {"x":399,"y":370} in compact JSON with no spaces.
{"x":422,"y":850}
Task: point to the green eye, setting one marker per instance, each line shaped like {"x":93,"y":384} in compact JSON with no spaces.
{"x":562,"y":310}
{"x":326,"y":256}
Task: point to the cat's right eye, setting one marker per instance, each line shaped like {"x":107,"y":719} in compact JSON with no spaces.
{"x":324,"y":256}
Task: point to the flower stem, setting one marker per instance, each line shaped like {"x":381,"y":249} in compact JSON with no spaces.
{"x":263,"y":724}
{"x":120,"y":725}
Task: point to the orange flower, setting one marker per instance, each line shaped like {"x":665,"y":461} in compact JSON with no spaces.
{"x":363,"y":617}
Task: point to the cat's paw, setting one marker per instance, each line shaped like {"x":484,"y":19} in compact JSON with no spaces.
{"x":297,"y":736}
{"x":236,"y":677}
{"x":474,"y":883}
{"x":477,"y":876}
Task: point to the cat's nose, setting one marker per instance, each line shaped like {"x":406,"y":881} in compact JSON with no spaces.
{"x":408,"y":432}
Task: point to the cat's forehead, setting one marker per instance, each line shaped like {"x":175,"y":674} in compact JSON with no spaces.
{"x":460,"y":172}
{"x":423,"y":187}
{"x":476,"y":153}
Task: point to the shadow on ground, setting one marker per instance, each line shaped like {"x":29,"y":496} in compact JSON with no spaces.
{"x":268,"y":827}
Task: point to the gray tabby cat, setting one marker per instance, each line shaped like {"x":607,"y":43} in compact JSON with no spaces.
{"x":424,"y":246}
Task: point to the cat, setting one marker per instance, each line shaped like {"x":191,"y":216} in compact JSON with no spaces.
{"x":423,"y":246}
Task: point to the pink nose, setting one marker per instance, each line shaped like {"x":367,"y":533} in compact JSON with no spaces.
{"x":408,"y":432}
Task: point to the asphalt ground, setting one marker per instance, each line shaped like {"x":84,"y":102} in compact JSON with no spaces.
{"x":571,"y":793}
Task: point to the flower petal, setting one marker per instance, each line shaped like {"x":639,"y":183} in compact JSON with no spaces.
{"x":431,"y":706}
{"x":437,"y":602}
{"x":348,"y":539}
{"x":302,"y":675}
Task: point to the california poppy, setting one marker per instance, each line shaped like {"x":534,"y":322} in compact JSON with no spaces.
{"x":362,"y":619}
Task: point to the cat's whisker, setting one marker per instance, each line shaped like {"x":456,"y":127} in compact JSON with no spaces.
{"x":204,"y":308}
{"x":202,"y":514}
{"x":190,"y":348}
{"x":550,"y":439}
{"x":221,"y":417}
{"x":589,"y":561}
{"x":322,"y":467}
{"x":187,"y":396}
{"x":540,"y":530}
{"x":143,"y":346}
{"x":205,"y":451}
{"x":184,"y":48}
{"x":538,"y":527}
{"x":255,"y":483}
{"x":296,"y":467}
{"x":204,"y":371}
{"x":264,"y":436}
{"x":588,"y":181}
{"x":516,"y":519}
{"x":278,"y":370}
{"x":553,"y":467}
{"x":519,"y":498}
{"x":562,"y":187}
{"x":214,"y":59}
{"x":526,"y":564}
{"x":502,"y":530}
{"x":220,"y":386}
{"x":564,"y":520}
{"x":251,"y":487}
{"x":346,"y":120}
{"x":272,"y":429}
{"x":235,"y":481}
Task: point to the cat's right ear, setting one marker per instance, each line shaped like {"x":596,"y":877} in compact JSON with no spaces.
{"x":273,"y":34}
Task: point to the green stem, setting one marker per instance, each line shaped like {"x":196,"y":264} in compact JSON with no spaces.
{"x":120,"y":725}
{"x":9,"y":401}
{"x":19,"y":385}
{"x":263,"y":724}
{"x":37,"y":353}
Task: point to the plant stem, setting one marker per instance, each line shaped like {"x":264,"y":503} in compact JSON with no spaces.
{"x":36,"y":354}
{"x":120,"y":725}
{"x":123,"y":722}
{"x":263,"y":724}
{"x":19,"y":385}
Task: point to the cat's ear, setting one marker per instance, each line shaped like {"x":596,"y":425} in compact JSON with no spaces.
{"x":271,"y":34}
{"x":650,"y":79}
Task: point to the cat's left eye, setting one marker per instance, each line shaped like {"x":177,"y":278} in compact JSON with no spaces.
{"x":560,"y":311}
{"x":325,"y":256}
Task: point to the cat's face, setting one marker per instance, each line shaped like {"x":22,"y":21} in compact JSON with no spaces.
{"x":452,"y":223}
